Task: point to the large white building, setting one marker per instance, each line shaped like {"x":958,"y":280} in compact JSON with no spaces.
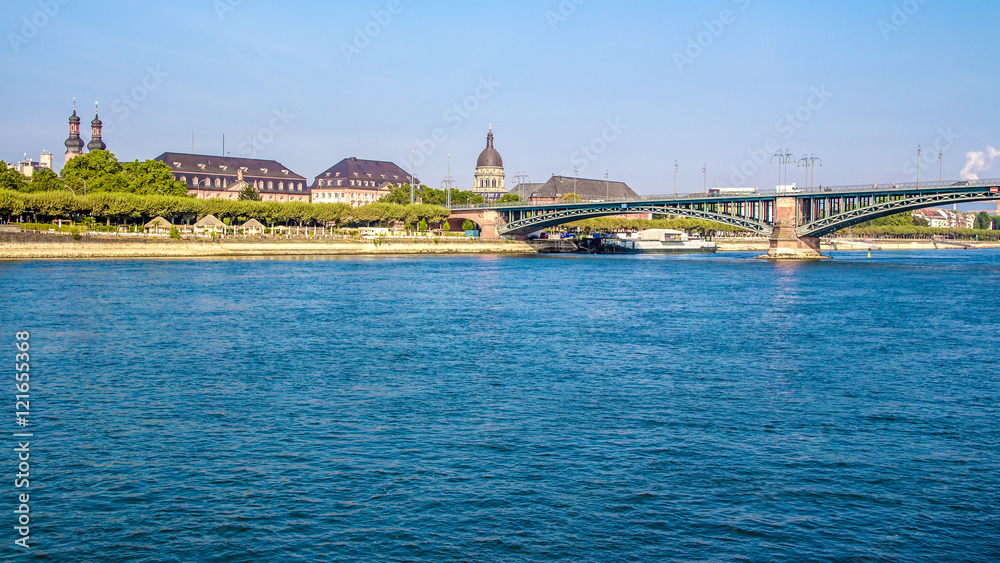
{"x":358,"y":182}
{"x":217,"y":177}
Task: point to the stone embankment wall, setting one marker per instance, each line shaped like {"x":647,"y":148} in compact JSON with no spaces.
{"x":50,"y":246}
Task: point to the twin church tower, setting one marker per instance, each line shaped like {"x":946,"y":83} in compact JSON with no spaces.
{"x":74,"y":144}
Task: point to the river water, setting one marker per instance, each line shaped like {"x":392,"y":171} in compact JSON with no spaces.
{"x":624,"y":408}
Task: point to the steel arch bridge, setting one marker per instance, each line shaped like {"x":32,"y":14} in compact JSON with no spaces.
{"x":813,"y":212}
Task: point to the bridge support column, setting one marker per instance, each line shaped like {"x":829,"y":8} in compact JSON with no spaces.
{"x":486,"y":220}
{"x":785,"y":244}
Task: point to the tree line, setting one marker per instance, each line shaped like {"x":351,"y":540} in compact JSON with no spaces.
{"x":95,"y":185}
{"x":130,"y":209}
{"x":97,"y":172}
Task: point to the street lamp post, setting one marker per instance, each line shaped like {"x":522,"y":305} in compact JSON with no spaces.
{"x":704,"y":170}
{"x":676,"y":168}
{"x":941,"y":163}
{"x":522,"y":178}
{"x":449,"y":182}
{"x":920,"y":154}
{"x":781,"y":158}
{"x":789,"y":157}
{"x":607,"y":186}
{"x":411,"y":177}
{"x":809,"y":161}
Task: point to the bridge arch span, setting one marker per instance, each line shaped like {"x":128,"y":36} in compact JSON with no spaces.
{"x":560,"y":216}
{"x":833,"y":223}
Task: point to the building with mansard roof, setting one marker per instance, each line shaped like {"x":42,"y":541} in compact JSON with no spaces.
{"x":358,"y":182}
{"x":560,"y":186}
{"x":217,"y":177}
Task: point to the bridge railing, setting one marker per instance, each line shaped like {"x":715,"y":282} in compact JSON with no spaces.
{"x":765,"y":193}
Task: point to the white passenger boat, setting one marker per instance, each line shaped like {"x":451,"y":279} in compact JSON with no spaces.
{"x":657,"y":241}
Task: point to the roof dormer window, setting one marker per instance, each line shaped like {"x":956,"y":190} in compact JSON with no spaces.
{"x":285,"y":172}
{"x":177,"y":165}
{"x":202,"y":166}
{"x":224,"y":167}
{"x":264,"y":170}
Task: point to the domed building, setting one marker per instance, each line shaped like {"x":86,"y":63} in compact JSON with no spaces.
{"x":490,"y":180}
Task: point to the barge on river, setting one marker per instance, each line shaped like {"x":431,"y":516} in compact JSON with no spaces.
{"x":653,"y":241}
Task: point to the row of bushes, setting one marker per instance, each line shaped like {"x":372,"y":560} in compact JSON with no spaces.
{"x":912,"y":231}
{"x":124,"y":208}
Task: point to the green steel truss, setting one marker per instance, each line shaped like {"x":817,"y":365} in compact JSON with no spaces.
{"x":558,"y":216}
{"x":908,"y":202}
{"x":819,"y":211}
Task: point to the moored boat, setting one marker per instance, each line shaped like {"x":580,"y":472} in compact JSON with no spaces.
{"x":656,"y":241}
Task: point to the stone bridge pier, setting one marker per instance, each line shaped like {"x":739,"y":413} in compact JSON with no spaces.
{"x":487,"y":220}
{"x":785,"y":243}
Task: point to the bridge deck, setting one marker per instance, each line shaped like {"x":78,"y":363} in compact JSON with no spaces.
{"x":818,"y":211}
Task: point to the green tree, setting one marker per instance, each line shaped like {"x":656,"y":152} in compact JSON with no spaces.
{"x":11,"y":204}
{"x":996,"y":223}
{"x":983,"y":221}
{"x":468,"y":225}
{"x":99,"y":169}
{"x":249,"y":194}
{"x":509,"y":198}
{"x":445,"y":226}
{"x":898,"y":220}
{"x":150,"y":178}
{"x":571,"y":198}
{"x":45,"y":181}
{"x":919,"y":221}
{"x":429,"y":196}
{"x":422,"y":226}
{"x":11,"y":179}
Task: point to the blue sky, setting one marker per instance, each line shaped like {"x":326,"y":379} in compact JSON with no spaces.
{"x":623,"y":87}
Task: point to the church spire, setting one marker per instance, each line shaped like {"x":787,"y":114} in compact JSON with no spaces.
{"x":74,"y":144}
{"x":96,"y":144}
